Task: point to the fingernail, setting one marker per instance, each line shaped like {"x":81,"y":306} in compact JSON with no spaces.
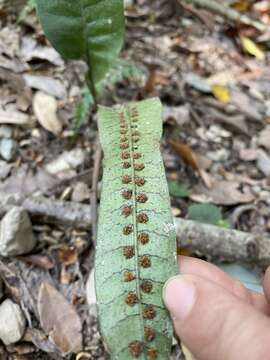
{"x":179,"y":296}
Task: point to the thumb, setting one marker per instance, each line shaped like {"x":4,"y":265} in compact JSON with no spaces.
{"x":215,"y":324}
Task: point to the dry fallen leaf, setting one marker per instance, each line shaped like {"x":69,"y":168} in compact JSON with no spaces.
{"x":46,"y":84}
{"x":222,"y":193}
{"x":25,"y":181}
{"x":264,"y":137}
{"x":189,"y":156}
{"x":263,"y":162}
{"x":68,"y":255}
{"x":248,"y":154}
{"x":41,"y":261}
{"x":59,"y":319}
{"x":186,"y":153}
{"x":221,"y":92}
{"x":241,"y":5}
{"x":45,"y":108}
{"x":14,"y":117}
{"x":250,"y":47}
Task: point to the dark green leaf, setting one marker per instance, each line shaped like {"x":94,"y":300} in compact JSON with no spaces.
{"x":179,"y":190}
{"x":205,"y":213}
{"x":91,"y":30}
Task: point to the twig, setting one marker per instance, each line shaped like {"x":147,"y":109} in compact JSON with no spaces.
{"x":93,"y":198}
{"x":227,"y":12}
{"x":213,"y":241}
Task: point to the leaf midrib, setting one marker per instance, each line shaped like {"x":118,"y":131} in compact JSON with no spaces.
{"x":86,"y":51}
{"x":135,"y":232}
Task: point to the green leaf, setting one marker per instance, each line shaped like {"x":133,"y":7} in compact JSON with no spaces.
{"x":179,"y":190}
{"x":136,"y":245}
{"x":91,"y":30}
{"x":82,"y":109}
{"x":205,"y":213}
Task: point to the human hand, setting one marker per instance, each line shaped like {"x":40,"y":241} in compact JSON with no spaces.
{"x":215,"y":316}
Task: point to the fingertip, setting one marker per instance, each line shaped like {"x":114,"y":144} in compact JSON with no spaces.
{"x":179,"y":294}
{"x":266,"y":284}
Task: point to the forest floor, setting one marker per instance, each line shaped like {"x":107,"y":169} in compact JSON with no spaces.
{"x":213,"y":78}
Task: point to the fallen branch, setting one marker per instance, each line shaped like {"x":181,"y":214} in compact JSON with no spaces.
{"x":226,"y":244}
{"x":213,"y":241}
{"x":49,"y":210}
{"x":225,"y":11}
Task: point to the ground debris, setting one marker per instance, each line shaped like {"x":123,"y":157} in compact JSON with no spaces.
{"x":216,"y":96}
{"x":59,"y":320}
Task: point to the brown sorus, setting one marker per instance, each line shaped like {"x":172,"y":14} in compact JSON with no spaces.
{"x":135,"y":118}
{"x":139,"y":167}
{"x":149,"y":333}
{"x":127,"y":229}
{"x":149,"y":312}
{"x":139,"y":181}
{"x":131,"y":299}
{"x":137,"y":155}
{"x":126,"y":165}
{"x":123,"y":131}
{"x":147,"y":286}
{"x":123,"y":125}
{"x":128,"y":252}
{"x":129,"y":276}
{"x":135,"y":139}
{"x":136,"y":348}
{"x":126,"y":179}
{"x":136,"y":133}
{"x":124,"y":146}
{"x":142,"y":218}
{"x":143,"y":238}
{"x":123,"y":139}
{"x":141,"y":198}
{"x":127,"y":210}
{"x":127,"y":194}
{"x":145,"y":261}
{"x":152,"y":353}
{"x":125,"y":155}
